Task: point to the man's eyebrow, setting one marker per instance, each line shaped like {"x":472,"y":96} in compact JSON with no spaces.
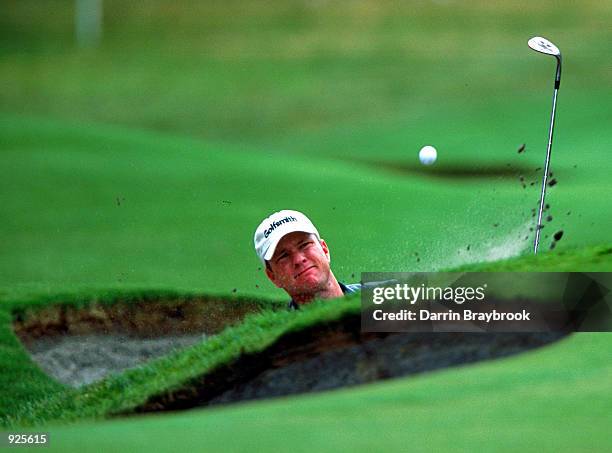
{"x":279,"y":253}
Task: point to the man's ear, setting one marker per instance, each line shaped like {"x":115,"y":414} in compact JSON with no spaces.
{"x":271,"y":276}
{"x":325,"y":249}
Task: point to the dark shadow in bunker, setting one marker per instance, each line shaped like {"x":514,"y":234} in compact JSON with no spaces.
{"x":337,"y":355}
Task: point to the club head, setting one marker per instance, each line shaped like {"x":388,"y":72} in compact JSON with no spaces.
{"x":543,"y":45}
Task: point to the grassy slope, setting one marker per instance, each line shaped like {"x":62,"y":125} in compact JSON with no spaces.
{"x":526,"y":403}
{"x":370,"y":79}
{"x":590,"y":259}
{"x":132,"y":388}
{"x":388,"y":74}
{"x":79,"y":242}
{"x":22,"y":381}
{"x":513,"y":402}
{"x":97,"y":208}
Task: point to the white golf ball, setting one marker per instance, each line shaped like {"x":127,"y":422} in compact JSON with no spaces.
{"x":428,"y":155}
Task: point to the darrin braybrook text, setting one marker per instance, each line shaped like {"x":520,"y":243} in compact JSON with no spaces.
{"x":450,"y":315}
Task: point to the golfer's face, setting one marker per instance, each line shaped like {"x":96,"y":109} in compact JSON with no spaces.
{"x":300,"y":263}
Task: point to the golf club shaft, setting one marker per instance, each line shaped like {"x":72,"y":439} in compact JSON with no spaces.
{"x":547,"y":162}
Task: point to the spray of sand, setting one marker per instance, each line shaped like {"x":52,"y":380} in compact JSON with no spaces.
{"x":507,"y":245}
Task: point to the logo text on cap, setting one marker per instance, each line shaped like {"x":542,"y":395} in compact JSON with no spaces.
{"x":278,"y":223}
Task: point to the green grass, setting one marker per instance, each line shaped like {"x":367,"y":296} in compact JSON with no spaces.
{"x":23,"y":382}
{"x":291,"y":98}
{"x":590,"y":259}
{"x":271,"y":72}
{"x":132,"y":388}
{"x":145,"y":165}
{"x":125,"y":391}
{"x":91,"y":208}
{"x":527,"y":402}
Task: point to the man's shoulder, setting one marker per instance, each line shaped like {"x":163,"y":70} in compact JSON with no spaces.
{"x":350,"y":288}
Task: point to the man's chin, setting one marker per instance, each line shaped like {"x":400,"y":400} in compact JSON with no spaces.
{"x":309,"y":286}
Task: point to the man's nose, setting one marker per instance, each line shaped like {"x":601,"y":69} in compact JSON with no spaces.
{"x":298,"y":258}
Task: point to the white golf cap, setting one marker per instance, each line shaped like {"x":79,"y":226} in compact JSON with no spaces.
{"x":272,"y":229}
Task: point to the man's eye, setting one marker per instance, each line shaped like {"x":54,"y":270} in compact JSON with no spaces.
{"x":305,"y":244}
{"x":282,"y":256}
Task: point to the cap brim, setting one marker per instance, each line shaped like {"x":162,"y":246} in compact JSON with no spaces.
{"x":268,"y":254}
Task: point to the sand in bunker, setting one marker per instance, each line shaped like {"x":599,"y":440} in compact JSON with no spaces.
{"x":80,"y":345}
{"x":82,"y":359}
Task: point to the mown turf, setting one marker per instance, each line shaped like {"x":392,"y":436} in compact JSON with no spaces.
{"x":312,"y":106}
{"x":181,"y":234}
{"x":128,"y":390}
{"x":132,"y":388}
{"x":23,"y":382}
{"x":557,"y":398}
{"x":378,"y":77}
{"x":90,"y":208}
{"x":341,"y":88}
{"x":590,"y":259}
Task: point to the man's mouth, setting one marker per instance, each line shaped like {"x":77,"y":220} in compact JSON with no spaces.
{"x":305,"y":270}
